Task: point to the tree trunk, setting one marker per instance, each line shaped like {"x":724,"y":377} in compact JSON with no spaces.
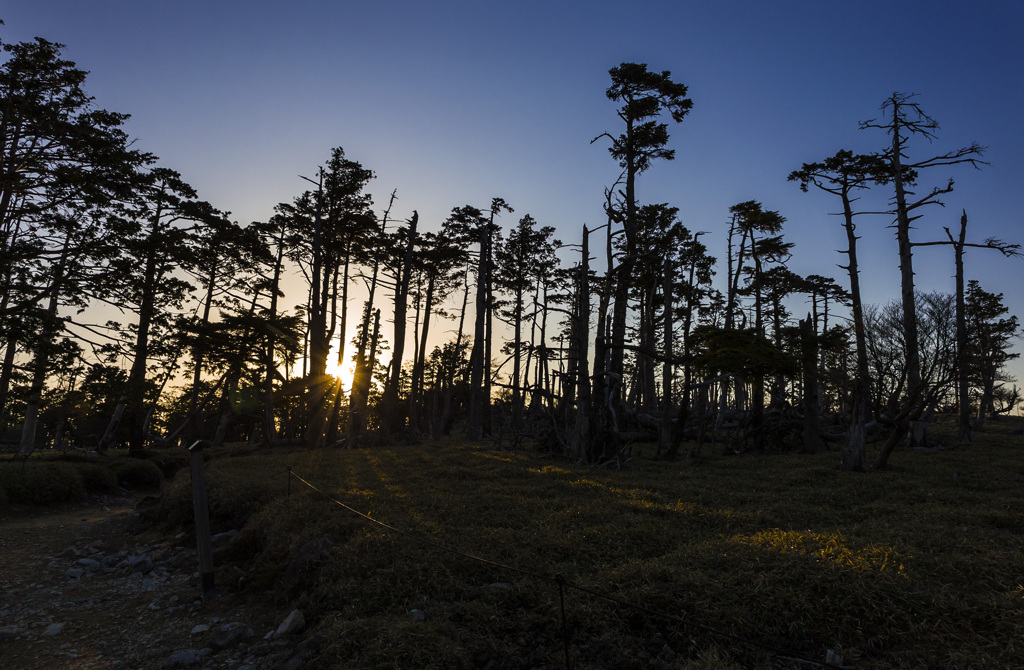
{"x":270,"y":369}
{"x":474,"y":422}
{"x":579,"y":442}
{"x":963,"y":383}
{"x":198,"y":353}
{"x":809,"y":361}
{"x":915,"y":388}
{"x":362,"y":381}
{"x":665,"y":441}
{"x":39,"y":369}
{"x":391,"y":408}
{"x":485,"y":399}
{"x":853,"y":457}
{"x":416,"y":391}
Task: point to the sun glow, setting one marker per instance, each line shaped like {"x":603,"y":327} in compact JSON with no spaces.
{"x":345,"y":371}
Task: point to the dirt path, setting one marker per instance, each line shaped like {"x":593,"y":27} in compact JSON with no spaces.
{"x":79,"y":590}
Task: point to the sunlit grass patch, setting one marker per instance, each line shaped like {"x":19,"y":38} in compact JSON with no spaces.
{"x":830,"y":548}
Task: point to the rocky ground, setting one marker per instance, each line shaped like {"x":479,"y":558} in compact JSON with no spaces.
{"x":82,"y":587}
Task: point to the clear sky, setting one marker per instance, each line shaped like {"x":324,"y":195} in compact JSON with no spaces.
{"x":456,"y":102}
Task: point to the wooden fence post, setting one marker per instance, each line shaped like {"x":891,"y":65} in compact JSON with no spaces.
{"x":202,"y":517}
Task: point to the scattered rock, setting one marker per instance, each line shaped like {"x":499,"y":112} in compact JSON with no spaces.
{"x":230,"y":635}
{"x":91,"y":565}
{"x":54,"y":629}
{"x":303,"y":652}
{"x":222,"y":539}
{"x":74,"y":573}
{"x":294,"y":623}
{"x":113,"y":559}
{"x":187,"y":658}
{"x":141,"y":564}
{"x":418,"y":615}
{"x":199,"y":629}
{"x":9,"y":633}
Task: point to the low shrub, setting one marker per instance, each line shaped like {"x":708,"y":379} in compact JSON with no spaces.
{"x":139,"y":474}
{"x":170,"y":460}
{"x":97,"y":478}
{"x":40,"y":483}
{"x":233,"y":496}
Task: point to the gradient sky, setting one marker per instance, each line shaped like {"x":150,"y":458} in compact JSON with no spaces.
{"x":456,"y":102}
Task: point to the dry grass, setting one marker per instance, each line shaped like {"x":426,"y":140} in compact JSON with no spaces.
{"x":916,"y":566}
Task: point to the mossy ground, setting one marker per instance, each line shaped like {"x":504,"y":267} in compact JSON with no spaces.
{"x":919,"y":565}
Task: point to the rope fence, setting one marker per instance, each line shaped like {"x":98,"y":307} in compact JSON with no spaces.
{"x":563,"y":584}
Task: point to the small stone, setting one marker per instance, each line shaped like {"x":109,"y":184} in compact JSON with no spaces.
{"x":89,"y":564}
{"x":187,"y":658}
{"x":112,"y":560}
{"x":9,"y":633}
{"x":418,"y":615}
{"x":141,"y":564}
{"x":199,"y":629}
{"x":231,"y":635}
{"x":74,"y":573}
{"x":54,"y":629}
{"x":293,"y":623}
{"x":222,"y":539}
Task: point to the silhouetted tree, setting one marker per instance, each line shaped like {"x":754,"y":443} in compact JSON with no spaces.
{"x":156,"y":236}
{"x":843,"y":175}
{"x":990,"y":331}
{"x":63,"y":163}
{"x":905,"y":119}
{"x":644,"y":96}
{"x":478,"y":421}
{"x":526,"y":255}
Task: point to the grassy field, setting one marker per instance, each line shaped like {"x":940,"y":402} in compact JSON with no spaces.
{"x":736,"y":561}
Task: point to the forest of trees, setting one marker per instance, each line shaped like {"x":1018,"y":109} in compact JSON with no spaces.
{"x":133,"y":313}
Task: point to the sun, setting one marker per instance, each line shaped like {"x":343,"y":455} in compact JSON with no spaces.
{"x":345,"y":372}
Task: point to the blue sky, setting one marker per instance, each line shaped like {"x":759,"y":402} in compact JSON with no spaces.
{"x":456,"y":102}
